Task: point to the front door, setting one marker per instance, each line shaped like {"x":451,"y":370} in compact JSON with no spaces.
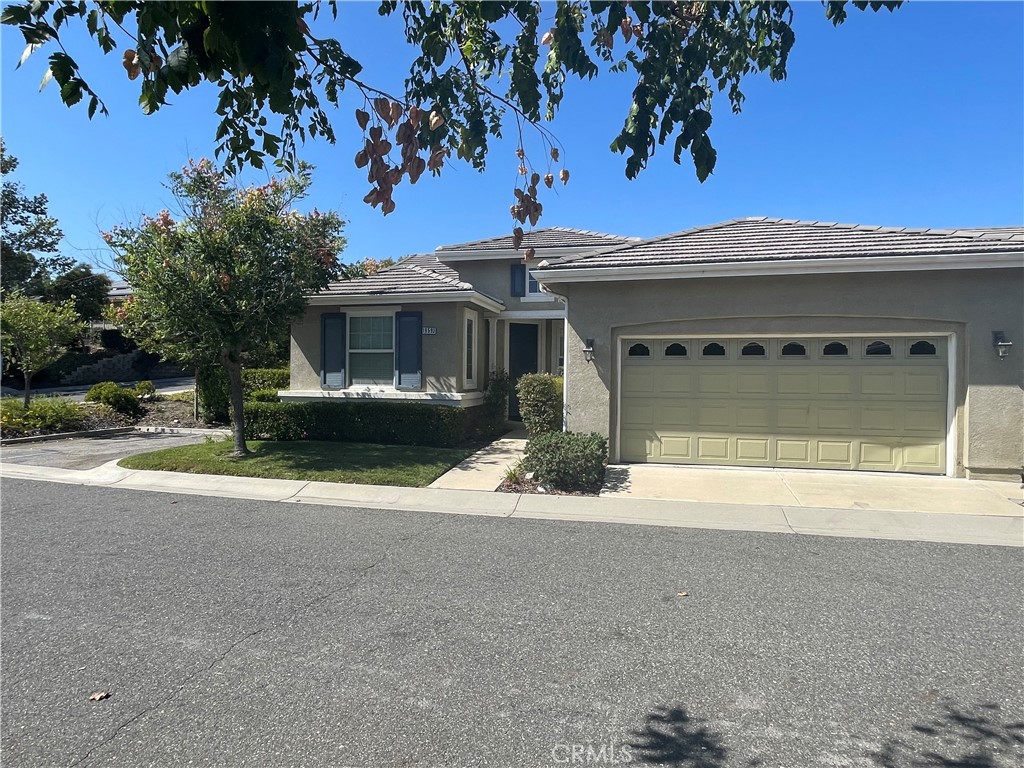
{"x":522,"y":359}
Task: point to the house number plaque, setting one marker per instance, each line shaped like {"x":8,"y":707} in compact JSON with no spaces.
{"x":429,"y":330}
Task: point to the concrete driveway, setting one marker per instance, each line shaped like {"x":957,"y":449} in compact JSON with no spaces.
{"x":91,"y":452}
{"x":814,"y":488}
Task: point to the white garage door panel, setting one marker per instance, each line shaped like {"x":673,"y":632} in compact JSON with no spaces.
{"x":883,"y":413}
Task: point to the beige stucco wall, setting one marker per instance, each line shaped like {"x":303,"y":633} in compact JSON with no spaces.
{"x":970,"y":305}
{"x":494,"y":279}
{"x":442,"y":359}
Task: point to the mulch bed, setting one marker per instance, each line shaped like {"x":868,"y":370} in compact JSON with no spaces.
{"x":522,"y":485}
{"x":170,"y":413}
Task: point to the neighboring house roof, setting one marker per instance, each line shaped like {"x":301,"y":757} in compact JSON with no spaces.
{"x":421,"y":276}
{"x":547,"y":237}
{"x":119,"y":290}
{"x":756,"y":240}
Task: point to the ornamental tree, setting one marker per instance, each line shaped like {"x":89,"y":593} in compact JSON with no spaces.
{"x":34,"y":334}
{"x":224,"y":276}
{"x":476,"y":68}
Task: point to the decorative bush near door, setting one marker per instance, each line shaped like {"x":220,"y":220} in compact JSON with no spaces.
{"x":540,"y":403}
{"x":568,"y":461}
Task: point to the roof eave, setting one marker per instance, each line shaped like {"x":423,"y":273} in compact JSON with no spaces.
{"x":781,"y":267}
{"x":424,"y":297}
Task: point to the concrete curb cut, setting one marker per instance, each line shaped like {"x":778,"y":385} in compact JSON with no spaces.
{"x":873,"y":524}
{"x":68,"y":435}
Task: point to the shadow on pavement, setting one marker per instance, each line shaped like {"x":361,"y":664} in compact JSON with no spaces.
{"x":976,"y":736}
{"x":671,"y":737}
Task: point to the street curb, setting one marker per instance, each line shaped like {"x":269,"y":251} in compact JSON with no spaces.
{"x":989,"y":530}
{"x":67,"y":435}
{"x":184,"y":431}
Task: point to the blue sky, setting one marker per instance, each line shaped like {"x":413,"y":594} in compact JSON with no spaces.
{"x":914,"y":118}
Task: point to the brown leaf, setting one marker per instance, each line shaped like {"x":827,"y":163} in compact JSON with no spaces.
{"x":520,"y":153}
{"x":535,"y":180}
{"x":627,"y":29}
{"x":549,"y":180}
{"x":405,"y":132}
{"x":416,"y":168}
{"x":99,"y":695}
{"x":554,"y":154}
{"x":382,"y":107}
{"x":363,"y":118}
{"x":522,"y":170}
{"x":638,"y":30}
{"x":517,"y":237}
{"x":436,"y":120}
{"x":415,"y":116}
{"x":389,"y":206}
{"x":548,"y":37}
{"x":130,"y":60}
{"x":530,"y":253}
{"x":375,"y":133}
{"x":563,"y":176}
{"x":396,"y":114}
{"x":683,"y":594}
{"x":362,"y":158}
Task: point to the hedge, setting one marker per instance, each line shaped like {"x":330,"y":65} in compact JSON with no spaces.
{"x":361,"y":422}
{"x":112,"y":394}
{"x":215,"y":388}
{"x":568,"y":461}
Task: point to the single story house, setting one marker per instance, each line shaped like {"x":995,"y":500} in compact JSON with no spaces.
{"x":753,"y":342}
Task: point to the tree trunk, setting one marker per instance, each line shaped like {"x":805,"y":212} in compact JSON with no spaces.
{"x":27,"y":375}
{"x":233,"y":363}
{"x":195,"y":399}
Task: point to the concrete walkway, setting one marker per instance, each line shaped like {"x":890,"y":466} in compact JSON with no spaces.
{"x":485,"y":469}
{"x":815,"y":488}
{"x":990,"y":529}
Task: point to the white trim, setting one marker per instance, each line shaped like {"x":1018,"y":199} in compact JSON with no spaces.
{"x":364,"y":300}
{"x":532,"y":314}
{"x":375,"y":312}
{"x":951,"y":389}
{"x":370,"y":394}
{"x":565,"y":371}
{"x":469,"y":355}
{"x":783,"y":267}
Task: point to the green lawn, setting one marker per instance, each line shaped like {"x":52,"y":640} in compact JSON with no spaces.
{"x":405,"y":465}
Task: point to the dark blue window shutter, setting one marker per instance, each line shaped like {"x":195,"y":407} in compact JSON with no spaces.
{"x":409,"y":350}
{"x":332,"y":350}
{"x":518,"y":280}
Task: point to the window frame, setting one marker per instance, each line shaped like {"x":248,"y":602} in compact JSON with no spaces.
{"x":531,"y":295}
{"x":361,"y":314}
{"x":470,"y":348}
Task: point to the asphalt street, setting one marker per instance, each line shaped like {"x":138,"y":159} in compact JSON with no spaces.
{"x":89,"y":453}
{"x":232,"y":632}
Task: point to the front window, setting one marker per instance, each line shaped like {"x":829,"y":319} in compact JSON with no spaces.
{"x":371,"y":345}
{"x":469,"y":349}
{"x":533,"y":287}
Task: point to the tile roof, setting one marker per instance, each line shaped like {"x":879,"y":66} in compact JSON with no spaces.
{"x":421,"y":273}
{"x":547,"y":237}
{"x":758,"y":239}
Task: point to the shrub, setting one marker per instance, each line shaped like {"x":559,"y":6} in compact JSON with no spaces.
{"x":568,"y":461}
{"x":365,"y":422}
{"x":255,"y":379}
{"x":263,"y":396}
{"x":117,"y":397}
{"x":144,"y":390}
{"x":54,"y":414}
{"x":495,"y":406}
{"x":214,"y":391}
{"x":540,"y":403}
{"x":47,"y":414}
{"x":12,"y":412}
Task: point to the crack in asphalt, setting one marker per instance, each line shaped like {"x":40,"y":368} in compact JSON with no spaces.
{"x":360,"y":575}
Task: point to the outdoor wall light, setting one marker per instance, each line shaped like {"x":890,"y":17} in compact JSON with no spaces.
{"x":1001,"y":343}
{"x":588,"y":350}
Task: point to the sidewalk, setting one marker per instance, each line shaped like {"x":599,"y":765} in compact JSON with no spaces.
{"x":485,"y":469}
{"x":999,"y":530}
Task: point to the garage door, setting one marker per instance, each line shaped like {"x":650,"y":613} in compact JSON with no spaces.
{"x":816,"y":402}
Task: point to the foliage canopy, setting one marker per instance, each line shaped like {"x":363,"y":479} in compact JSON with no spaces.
{"x":477,"y":68}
